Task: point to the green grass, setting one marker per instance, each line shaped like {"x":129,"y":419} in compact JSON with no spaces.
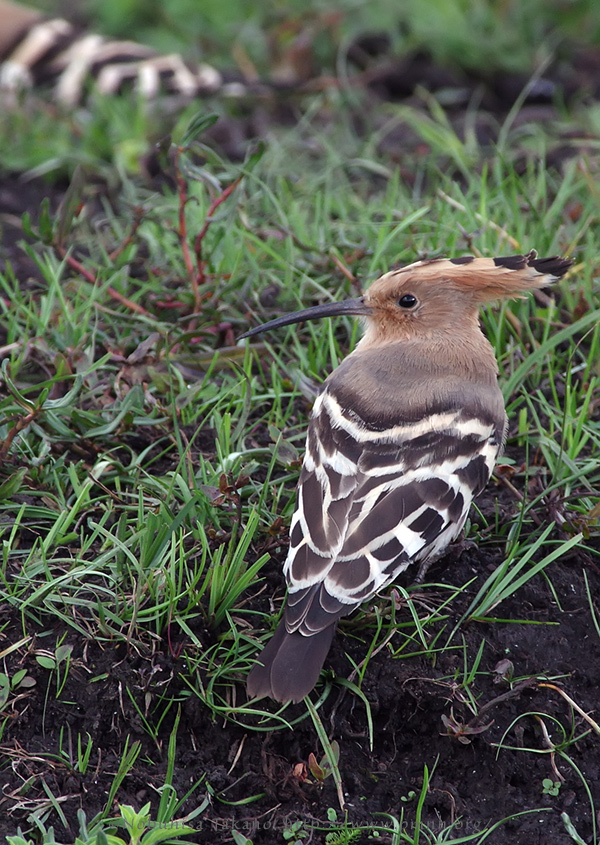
{"x":513,"y":36}
{"x":118,"y":527}
{"x":149,"y":463}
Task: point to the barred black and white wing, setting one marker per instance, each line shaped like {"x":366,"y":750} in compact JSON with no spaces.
{"x":371,"y":501}
{"x":34,"y":51}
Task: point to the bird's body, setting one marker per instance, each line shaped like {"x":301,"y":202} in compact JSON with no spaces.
{"x":404,"y":433}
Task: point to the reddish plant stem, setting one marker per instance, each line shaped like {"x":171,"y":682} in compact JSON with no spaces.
{"x":137,"y":219}
{"x":225,"y":194}
{"x":197,"y":274}
{"x":20,"y":424}
{"x":182,"y":227}
{"x":76,"y":265}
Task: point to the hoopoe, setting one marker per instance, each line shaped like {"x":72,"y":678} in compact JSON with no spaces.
{"x":35,"y":50}
{"x":403,"y":435}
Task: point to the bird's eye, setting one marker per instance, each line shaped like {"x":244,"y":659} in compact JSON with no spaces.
{"x":407,"y":301}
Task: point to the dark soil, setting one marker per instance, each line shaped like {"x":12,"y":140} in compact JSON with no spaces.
{"x":470,"y":778}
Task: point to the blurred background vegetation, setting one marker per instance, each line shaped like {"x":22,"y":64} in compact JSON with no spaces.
{"x":486,"y":35}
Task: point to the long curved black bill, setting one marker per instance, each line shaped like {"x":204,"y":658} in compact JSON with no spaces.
{"x":356,"y":307}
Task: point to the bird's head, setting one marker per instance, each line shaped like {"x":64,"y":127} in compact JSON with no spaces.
{"x":433,"y":296}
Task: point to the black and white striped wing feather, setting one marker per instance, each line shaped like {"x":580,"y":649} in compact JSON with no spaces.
{"x":372,"y":502}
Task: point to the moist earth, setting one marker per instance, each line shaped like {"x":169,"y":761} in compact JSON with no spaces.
{"x":485,"y":762}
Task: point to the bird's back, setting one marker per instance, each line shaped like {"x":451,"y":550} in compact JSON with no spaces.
{"x":392,"y":463}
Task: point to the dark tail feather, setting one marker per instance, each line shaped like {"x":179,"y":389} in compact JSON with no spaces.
{"x":289,"y":665}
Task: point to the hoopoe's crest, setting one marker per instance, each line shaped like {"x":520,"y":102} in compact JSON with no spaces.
{"x":404,"y":433}
{"x":450,"y":293}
